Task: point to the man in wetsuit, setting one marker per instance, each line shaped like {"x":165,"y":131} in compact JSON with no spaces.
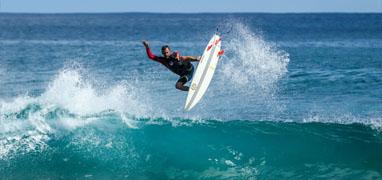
{"x":180,"y":65}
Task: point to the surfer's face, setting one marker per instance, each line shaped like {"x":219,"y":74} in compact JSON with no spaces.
{"x":166,"y":52}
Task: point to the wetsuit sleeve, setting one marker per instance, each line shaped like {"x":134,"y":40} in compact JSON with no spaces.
{"x":150,"y":54}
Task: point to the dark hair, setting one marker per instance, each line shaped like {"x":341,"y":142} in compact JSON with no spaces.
{"x":165,"y":47}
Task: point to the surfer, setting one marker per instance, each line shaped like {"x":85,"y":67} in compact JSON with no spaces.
{"x":180,"y":65}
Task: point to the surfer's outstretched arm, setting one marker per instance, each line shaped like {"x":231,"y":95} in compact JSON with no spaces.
{"x":190,"y":58}
{"x":148,"y":51}
{"x":187,"y":58}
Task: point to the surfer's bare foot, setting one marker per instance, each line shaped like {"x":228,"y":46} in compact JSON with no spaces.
{"x":181,"y":86}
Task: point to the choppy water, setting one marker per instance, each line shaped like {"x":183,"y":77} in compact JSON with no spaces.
{"x":296,"y":96}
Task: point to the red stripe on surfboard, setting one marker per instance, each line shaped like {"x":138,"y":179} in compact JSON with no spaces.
{"x":209,"y":47}
{"x":217,"y":41}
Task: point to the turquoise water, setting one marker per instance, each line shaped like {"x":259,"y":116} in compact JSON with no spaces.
{"x":296,"y":96}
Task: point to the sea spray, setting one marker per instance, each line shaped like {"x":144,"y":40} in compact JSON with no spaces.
{"x":251,"y":63}
{"x":247,"y":76}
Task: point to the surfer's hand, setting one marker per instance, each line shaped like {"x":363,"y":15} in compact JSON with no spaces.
{"x":145,"y":43}
{"x":195,"y":58}
{"x":177,"y":56}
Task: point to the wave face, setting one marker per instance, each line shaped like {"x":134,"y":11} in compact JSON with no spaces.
{"x":50,"y":142}
{"x":296,"y":96}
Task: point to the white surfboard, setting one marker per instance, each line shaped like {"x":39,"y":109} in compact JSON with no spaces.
{"x":204,"y":72}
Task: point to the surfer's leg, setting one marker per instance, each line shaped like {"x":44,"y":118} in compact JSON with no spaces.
{"x":184,"y":79}
{"x":180,"y":84}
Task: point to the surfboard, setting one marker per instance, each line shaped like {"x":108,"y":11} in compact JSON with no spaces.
{"x":204,"y":72}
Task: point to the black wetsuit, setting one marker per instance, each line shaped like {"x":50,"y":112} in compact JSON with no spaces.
{"x":184,"y":69}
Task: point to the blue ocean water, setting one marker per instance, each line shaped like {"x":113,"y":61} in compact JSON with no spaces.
{"x":296,"y":96}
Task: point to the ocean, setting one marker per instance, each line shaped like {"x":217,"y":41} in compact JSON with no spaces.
{"x":295,"y":96}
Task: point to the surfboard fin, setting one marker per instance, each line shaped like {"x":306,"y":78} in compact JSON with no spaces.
{"x":221,"y":52}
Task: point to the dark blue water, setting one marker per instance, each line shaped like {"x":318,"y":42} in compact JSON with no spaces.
{"x":296,"y":96}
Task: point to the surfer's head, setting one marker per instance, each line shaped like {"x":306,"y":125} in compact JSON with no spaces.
{"x":166,"y":51}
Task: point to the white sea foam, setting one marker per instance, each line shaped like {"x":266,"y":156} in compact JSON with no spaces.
{"x":70,"y":91}
{"x":74,"y":102}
